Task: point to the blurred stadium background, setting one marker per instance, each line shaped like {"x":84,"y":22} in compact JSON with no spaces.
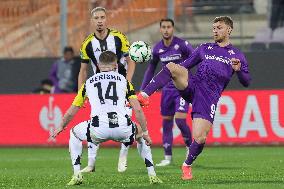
{"x":34,"y":32}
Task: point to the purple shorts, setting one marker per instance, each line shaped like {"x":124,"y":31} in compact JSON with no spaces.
{"x":172,"y":102}
{"x":204,"y":103}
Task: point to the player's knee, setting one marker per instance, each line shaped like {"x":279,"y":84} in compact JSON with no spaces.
{"x":173,"y":68}
{"x":200,"y":138}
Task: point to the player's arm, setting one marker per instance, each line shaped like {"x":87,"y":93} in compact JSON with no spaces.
{"x":149,"y":74}
{"x":194,"y":59}
{"x":187,"y":49}
{"x":85,"y":60}
{"x":73,"y":109}
{"x":124,"y":49}
{"x":82,"y":77}
{"x":68,"y":116}
{"x":130,"y":68}
{"x":139,"y":114}
{"x":241,"y":68}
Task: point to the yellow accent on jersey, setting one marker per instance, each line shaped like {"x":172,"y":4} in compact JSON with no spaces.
{"x":83,"y":52}
{"x":132,"y":96}
{"x":124,"y":42}
{"x":80,"y":97}
{"x":130,"y":93}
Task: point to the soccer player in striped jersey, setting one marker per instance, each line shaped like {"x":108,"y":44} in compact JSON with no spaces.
{"x":101,"y":40}
{"x":109,"y":119}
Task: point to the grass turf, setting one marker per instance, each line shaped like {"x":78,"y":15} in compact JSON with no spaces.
{"x":217,"y":167}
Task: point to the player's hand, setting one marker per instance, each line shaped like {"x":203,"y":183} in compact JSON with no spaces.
{"x":85,"y":103}
{"x":147,"y":139}
{"x":57,"y":132}
{"x":143,"y":100}
{"x":236,"y":64}
{"x":127,"y":104}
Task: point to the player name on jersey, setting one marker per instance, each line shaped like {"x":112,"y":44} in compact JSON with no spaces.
{"x":105,"y":76}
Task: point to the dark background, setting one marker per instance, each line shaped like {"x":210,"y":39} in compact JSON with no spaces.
{"x":24,"y":75}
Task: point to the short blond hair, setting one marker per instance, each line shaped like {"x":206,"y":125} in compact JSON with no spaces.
{"x":96,"y":9}
{"x":107,"y":57}
{"x":226,"y":19}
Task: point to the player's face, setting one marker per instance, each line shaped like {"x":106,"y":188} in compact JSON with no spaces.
{"x":221,"y":31}
{"x":167,"y":30}
{"x":99,"y":19}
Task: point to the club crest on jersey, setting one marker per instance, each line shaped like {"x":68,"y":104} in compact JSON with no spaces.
{"x":161,"y":50}
{"x":209,"y":48}
{"x":231,"y":52}
{"x":176,"y":47}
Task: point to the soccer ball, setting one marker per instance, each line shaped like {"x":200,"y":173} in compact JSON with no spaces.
{"x":140,"y":52}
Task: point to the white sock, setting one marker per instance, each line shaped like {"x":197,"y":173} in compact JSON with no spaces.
{"x":75,"y":149}
{"x":167,"y":157}
{"x":184,"y":164}
{"x":123,"y":150}
{"x":146,"y":154}
{"x":92,"y":153}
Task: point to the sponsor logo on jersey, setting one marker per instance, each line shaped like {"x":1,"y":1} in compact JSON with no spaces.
{"x":171,"y":58}
{"x":97,"y":50}
{"x":218,"y":58}
{"x":209,"y":47}
{"x":50,"y":117}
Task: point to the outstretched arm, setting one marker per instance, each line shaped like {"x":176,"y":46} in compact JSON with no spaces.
{"x":130,"y":68}
{"x":82,"y":77}
{"x":149,"y":74}
{"x":68,"y":116}
{"x":141,"y":119}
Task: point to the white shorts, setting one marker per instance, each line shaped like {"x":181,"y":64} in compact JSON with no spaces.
{"x":85,"y":131}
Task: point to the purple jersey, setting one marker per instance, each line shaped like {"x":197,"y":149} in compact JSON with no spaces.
{"x":214,"y":71}
{"x":178,"y":51}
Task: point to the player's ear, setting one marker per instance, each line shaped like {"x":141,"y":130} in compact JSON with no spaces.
{"x":229,"y":30}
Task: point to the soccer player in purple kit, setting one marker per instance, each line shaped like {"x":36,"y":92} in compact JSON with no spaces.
{"x":216,"y":63}
{"x":170,"y":48}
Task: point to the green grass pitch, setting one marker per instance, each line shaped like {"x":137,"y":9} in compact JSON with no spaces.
{"x":217,"y":167}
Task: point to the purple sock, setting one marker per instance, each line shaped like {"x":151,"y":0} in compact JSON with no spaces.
{"x":162,"y":78}
{"x":185,"y":131}
{"x":194,"y":150}
{"x":168,"y":136}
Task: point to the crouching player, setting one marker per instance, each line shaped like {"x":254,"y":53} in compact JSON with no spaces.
{"x":109,"y":120}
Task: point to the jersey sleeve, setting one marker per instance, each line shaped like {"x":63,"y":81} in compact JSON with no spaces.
{"x":194,"y":59}
{"x":244,"y":75}
{"x":124,"y":41}
{"x":149,"y":74}
{"x":188,"y":49}
{"x":84,"y":50}
{"x":80,"y":97}
{"x":130,"y":93}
